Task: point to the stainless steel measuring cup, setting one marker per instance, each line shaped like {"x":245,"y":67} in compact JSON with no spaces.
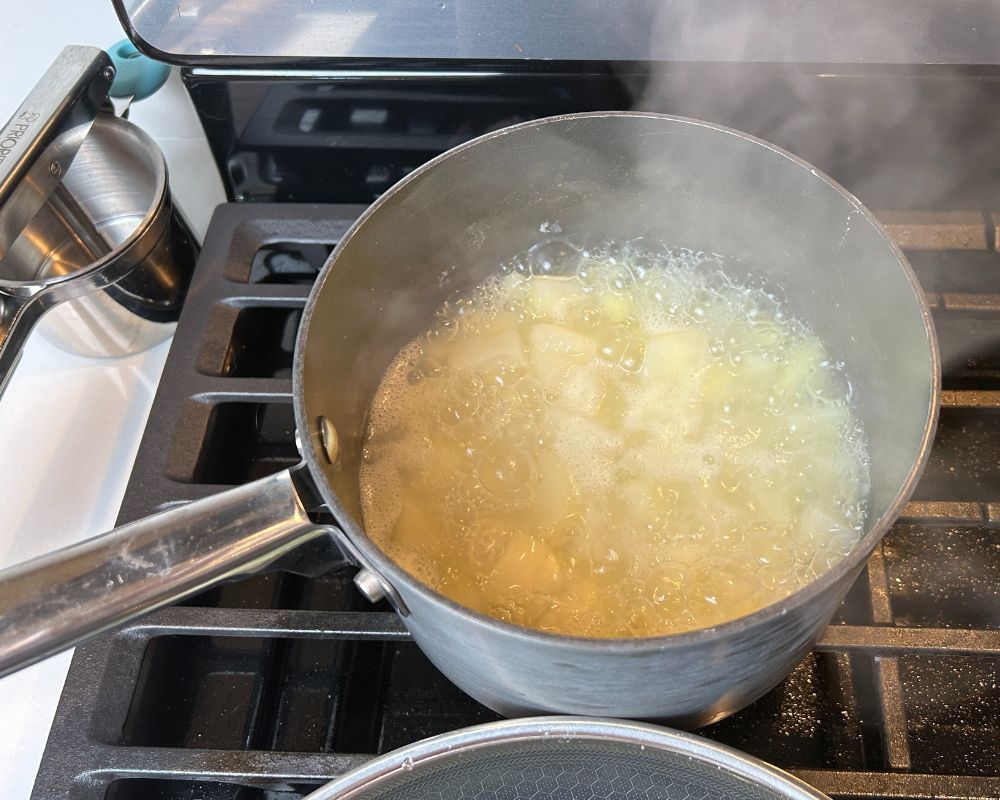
{"x":86,"y":221}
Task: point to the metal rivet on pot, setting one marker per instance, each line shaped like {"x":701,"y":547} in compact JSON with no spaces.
{"x":55,"y":168}
{"x":331,"y":441}
{"x":109,"y":73}
{"x":369,"y":585}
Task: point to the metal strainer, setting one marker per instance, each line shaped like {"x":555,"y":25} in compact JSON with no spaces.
{"x":565,"y":758}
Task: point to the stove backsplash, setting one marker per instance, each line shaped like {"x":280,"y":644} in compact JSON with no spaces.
{"x":914,"y":138}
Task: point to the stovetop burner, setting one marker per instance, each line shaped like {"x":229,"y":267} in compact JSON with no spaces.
{"x":268,"y":687}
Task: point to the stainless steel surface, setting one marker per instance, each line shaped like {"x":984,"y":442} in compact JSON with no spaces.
{"x":807,"y":31}
{"x":55,"y":601}
{"x":38,"y":143}
{"x":331,"y":441}
{"x":619,"y":175}
{"x":369,"y":586}
{"x":106,"y":244}
{"x":632,"y":758}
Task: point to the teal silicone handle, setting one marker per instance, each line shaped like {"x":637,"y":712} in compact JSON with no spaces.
{"x":136,"y":75}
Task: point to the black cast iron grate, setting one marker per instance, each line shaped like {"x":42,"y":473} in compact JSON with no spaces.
{"x":268,"y":687}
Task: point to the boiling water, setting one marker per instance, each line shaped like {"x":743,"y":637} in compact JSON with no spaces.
{"x":614,"y":440}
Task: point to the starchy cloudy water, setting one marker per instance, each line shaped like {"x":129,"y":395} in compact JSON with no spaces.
{"x":615,"y":439}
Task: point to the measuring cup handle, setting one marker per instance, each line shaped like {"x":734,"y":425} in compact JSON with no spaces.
{"x":18,"y":316}
{"x":53,"y":602}
{"x":38,"y":144}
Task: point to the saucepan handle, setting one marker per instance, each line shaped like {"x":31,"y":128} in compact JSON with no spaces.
{"x":53,"y":602}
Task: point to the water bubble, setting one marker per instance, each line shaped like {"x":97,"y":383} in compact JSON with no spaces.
{"x":766,"y":334}
{"x":466,"y":306}
{"x":730,"y":479}
{"x":619,"y":279}
{"x":429,"y":366}
{"x":556,"y":257}
{"x":444,"y":331}
{"x":506,"y":471}
{"x":612,"y":345}
{"x":669,"y":588}
{"x":659,"y":289}
{"x":632,"y":356}
{"x":829,"y":384}
{"x":650,"y":252}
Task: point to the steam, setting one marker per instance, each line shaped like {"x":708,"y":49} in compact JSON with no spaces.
{"x":897,"y":137}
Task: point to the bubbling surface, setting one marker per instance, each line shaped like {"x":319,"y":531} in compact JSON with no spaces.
{"x":615,"y":439}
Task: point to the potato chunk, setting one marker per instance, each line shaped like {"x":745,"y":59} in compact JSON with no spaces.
{"x":555,"y":350}
{"x":554,"y":297}
{"x":553,"y":492}
{"x":616,"y":307}
{"x":582,"y":389}
{"x":529,"y":563}
{"x":480,"y":351}
{"x":802,"y":360}
{"x":675,"y":356}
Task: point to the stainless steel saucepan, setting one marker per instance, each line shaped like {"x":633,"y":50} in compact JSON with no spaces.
{"x":444,"y":228}
{"x":89,"y":236}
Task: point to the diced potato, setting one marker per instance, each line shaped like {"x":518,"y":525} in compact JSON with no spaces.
{"x":582,"y":389}
{"x":802,"y":360}
{"x":479,"y":351}
{"x":553,"y":491}
{"x":585,"y":446}
{"x":529,"y":563}
{"x":415,"y":527}
{"x":555,"y":350}
{"x":674,"y":356}
{"x":638,"y":500}
{"x":717,"y":387}
{"x":554,"y":297}
{"x":613,"y":405}
{"x":755,"y":367}
{"x":616,"y":307}
{"x":545,"y":338}
{"x":673,"y":415}
{"x":580,"y":437}
{"x":821,"y":426}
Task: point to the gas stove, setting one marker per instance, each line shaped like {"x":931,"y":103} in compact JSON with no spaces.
{"x":267,"y":687}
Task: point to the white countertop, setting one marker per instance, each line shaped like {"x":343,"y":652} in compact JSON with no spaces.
{"x":70,"y":426}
